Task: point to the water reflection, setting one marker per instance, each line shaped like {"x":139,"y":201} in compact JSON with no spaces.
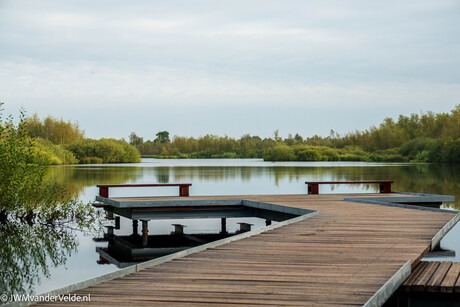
{"x":258,"y":177}
{"x":77,"y":178}
{"x":28,"y":253}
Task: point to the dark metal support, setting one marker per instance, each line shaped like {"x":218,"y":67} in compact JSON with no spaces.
{"x":244,"y":227}
{"x":135,"y":223}
{"x":223,"y":225}
{"x":145,"y":233}
{"x":268,"y":222}
{"x":178,"y":229}
{"x":117,"y":222}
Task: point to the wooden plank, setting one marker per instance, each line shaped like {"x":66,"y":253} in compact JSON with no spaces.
{"x":407,"y":284}
{"x":457,"y":285}
{"x":421,"y":281}
{"x":435,"y":281}
{"x":448,"y":284}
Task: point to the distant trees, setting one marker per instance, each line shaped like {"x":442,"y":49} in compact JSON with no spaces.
{"x":135,"y":140}
{"x":55,"y":130}
{"x":429,"y":137}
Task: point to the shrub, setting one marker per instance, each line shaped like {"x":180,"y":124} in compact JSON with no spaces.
{"x":52,"y":154}
{"x":109,"y":150}
{"x":308,"y":155}
{"x":279,"y":152}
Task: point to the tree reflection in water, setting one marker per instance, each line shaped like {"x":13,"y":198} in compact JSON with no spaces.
{"x":28,"y":252}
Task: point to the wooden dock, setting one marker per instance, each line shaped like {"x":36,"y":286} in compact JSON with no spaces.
{"x":434,"y":277}
{"x":342,"y":256}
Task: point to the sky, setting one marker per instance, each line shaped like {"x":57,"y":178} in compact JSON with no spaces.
{"x":228,"y":67}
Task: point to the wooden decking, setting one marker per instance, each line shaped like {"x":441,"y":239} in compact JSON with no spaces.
{"x":434,"y":277}
{"x":341,"y":256}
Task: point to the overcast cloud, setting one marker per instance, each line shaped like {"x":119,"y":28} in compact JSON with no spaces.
{"x":228,"y":67}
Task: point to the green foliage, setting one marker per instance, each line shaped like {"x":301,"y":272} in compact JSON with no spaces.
{"x":279,"y":152}
{"x":52,"y":129}
{"x":135,"y":140}
{"x":162,"y":137}
{"x":109,"y":150}
{"x":25,"y":194}
{"x":452,"y":151}
{"x":52,"y":154}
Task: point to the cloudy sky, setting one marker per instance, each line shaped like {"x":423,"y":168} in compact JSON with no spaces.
{"x":228,"y":67}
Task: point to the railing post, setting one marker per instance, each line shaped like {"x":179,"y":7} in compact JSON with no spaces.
{"x":385,"y":187}
{"x":184,"y":190}
{"x":104,"y":192}
{"x":313,"y":188}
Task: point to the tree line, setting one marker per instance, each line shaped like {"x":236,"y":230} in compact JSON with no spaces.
{"x":426,"y":137}
{"x":63,"y":142}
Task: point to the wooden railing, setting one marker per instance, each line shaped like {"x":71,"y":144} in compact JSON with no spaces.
{"x":183,"y":187}
{"x":385,"y":185}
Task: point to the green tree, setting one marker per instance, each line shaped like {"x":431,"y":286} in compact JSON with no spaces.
{"x":162,"y":137}
{"x":135,"y":140}
{"x":25,"y":194}
{"x":57,"y":131}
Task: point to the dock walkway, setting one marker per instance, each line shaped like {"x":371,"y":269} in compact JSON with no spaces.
{"x":341,"y":256}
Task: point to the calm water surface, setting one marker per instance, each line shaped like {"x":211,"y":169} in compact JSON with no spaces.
{"x":71,"y":257}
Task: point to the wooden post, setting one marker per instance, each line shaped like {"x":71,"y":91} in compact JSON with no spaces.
{"x":313,"y":188}
{"x":223,"y":225}
{"x":184,"y":190}
{"x":385,"y":187}
{"x":104,"y":192}
{"x":145,"y":233}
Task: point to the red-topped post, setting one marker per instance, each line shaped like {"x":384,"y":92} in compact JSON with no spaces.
{"x":104,"y":191}
{"x":184,"y":190}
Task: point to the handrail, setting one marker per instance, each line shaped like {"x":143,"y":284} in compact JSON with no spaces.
{"x":183,"y":187}
{"x":313,"y":186}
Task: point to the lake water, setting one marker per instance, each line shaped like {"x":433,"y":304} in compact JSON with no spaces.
{"x":71,"y":257}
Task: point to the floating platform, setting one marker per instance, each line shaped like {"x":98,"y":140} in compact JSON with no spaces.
{"x":350,"y":249}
